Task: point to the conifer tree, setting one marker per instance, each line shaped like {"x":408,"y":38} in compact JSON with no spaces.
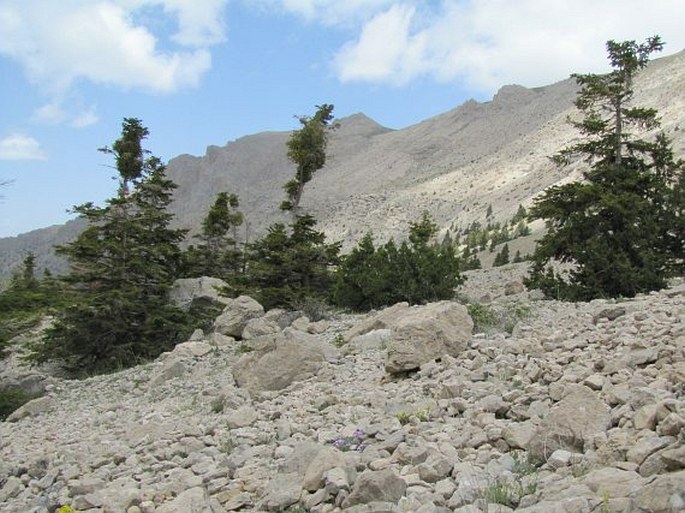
{"x":622,"y":227}
{"x":217,"y":254}
{"x":288,"y":267}
{"x":122,"y":266}
{"x":307,"y":150}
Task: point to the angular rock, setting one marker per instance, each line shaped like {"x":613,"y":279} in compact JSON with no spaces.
{"x":197,"y":292}
{"x":295,"y":356}
{"x":32,"y":408}
{"x":193,"y":500}
{"x":282,"y":491}
{"x":663,"y":494}
{"x":236,"y":315}
{"x":376,"y":486}
{"x":571,"y":423}
{"x":427,"y":332}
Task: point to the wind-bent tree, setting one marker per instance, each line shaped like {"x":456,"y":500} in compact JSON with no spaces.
{"x":307,"y":150}
{"x":122,"y":266}
{"x":622,"y":227}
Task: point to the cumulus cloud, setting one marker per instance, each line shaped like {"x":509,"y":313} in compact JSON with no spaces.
{"x":59,"y":43}
{"x":488,"y":43}
{"x":20,"y":147}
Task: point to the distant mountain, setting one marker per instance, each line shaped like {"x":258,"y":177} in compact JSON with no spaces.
{"x":376,"y":179}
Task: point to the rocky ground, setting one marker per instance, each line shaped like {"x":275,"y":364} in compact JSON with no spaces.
{"x":552,"y":407}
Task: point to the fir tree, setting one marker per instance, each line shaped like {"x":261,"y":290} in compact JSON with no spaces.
{"x":622,"y":227}
{"x":122,"y":266}
{"x":217,"y":254}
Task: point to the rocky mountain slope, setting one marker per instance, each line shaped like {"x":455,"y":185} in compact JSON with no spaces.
{"x":453,"y":165}
{"x":561,"y":408}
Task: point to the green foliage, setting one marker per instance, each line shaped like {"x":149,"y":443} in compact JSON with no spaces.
{"x":122,"y":266}
{"x":26,"y":300}
{"x":11,"y":399}
{"x":502,"y":258}
{"x":622,"y":228}
{"x":496,"y":318}
{"x":307,"y":150}
{"x":416,"y":272}
{"x":217,"y":254}
{"x":289,"y":268}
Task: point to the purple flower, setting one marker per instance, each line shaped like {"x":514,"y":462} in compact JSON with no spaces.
{"x":359,"y":433}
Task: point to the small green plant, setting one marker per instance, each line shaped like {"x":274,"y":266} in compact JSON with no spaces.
{"x":66,"y":509}
{"x":482,"y":315}
{"x":218,"y":404}
{"x":422,"y":415}
{"x":338,"y":341}
{"x":243,"y":348}
{"x":403,"y":417}
{"x":605,"y":503}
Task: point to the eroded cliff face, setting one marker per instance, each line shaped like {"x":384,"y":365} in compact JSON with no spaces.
{"x":376,"y":179}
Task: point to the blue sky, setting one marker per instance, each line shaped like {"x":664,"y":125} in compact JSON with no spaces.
{"x":204,"y":72}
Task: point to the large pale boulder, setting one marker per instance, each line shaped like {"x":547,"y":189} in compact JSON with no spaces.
{"x":289,"y":356}
{"x":376,"y":486}
{"x":571,"y":423}
{"x":424,"y":333}
{"x":194,"y":500}
{"x":188,"y":292}
{"x":236,"y":315}
{"x":32,"y":408}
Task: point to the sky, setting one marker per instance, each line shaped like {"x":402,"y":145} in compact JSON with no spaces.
{"x":205,"y":72}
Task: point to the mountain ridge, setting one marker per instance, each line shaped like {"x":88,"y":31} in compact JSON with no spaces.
{"x":378,"y":179}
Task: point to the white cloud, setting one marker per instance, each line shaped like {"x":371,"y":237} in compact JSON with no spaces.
{"x":20,"y":147}
{"x":487,"y":43}
{"x":384,"y":49}
{"x":329,"y":12}
{"x":59,"y":43}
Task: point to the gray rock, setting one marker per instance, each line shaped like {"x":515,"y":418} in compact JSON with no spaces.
{"x":188,"y":292}
{"x":296,"y":356}
{"x":425,"y":333}
{"x":32,"y":408}
{"x":236,"y":315}
{"x":571,"y":424}
{"x":376,"y":486}
{"x":193,"y":500}
{"x":282,"y":491}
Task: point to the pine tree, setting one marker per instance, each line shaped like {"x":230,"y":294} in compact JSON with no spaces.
{"x":502,"y":258}
{"x":621,"y":229}
{"x":122,"y":266}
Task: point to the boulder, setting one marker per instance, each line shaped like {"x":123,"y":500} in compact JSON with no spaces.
{"x":571,"y":423}
{"x":32,"y":408}
{"x":424,"y":333}
{"x":283,"y":491}
{"x":193,"y":500}
{"x":236,"y":315}
{"x":663,"y":494}
{"x":295,"y":356}
{"x":188,"y":292}
{"x":376,"y":486}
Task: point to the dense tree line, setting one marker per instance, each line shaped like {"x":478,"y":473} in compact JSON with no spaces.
{"x":621,"y":229}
